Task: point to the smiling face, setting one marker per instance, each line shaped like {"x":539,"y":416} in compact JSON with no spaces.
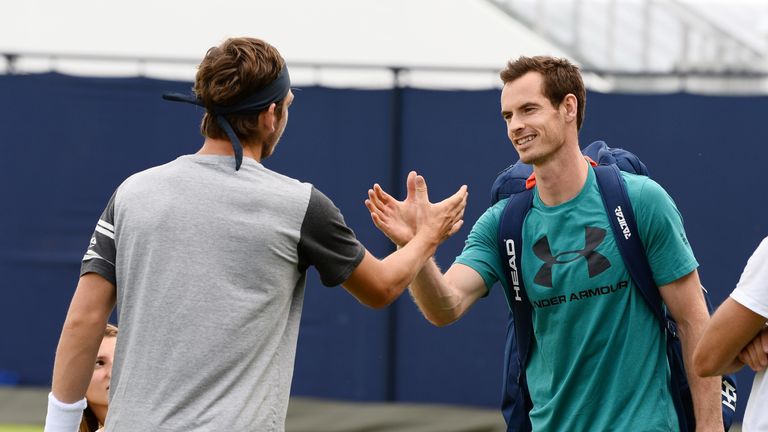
{"x":98,"y":390}
{"x":538,"y":130}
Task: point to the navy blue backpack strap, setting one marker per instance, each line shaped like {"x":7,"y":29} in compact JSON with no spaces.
{"x":516,"y":401}
{"x":510,"y":247}
{"x":624,"y":227}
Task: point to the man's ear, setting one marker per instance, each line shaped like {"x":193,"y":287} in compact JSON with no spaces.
{"x":267,"y":118}
{"x":571,"y":106}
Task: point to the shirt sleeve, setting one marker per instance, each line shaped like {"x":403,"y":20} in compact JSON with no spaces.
{"x":662,"y":233}
{"x":100,"y":256}
{"x":327,"y":243}
{"x":752,"y":289}
{"x":480,"y":251}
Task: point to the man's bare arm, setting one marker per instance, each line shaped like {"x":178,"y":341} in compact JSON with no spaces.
{"x":444,"y":298}
{"x":81,"y":336}
{"x":687,"y":306}
{"x":377,"y":283}
{"x":732,"y":329}
{"x":441,"y":298}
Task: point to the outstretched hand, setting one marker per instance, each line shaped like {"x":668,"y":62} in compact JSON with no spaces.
{"x":396,"y":219}
{"x":402,"y":220}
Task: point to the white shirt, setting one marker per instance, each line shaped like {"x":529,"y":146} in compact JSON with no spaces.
{"x":752,"y":293}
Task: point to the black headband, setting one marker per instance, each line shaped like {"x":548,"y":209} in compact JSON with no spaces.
{"x":275,"y":91}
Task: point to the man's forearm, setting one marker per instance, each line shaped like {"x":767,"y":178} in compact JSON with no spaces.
{"x":434,"y":297}
{"x":81,"y":336}
{"x":410,"y":259}
{"x":377,"y":283}
{"x":704,"y":391}
{"x":75,"y":357}
{"x":72,"y":370}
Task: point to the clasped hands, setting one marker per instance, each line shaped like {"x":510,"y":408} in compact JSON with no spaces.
{"x":401,"y":221}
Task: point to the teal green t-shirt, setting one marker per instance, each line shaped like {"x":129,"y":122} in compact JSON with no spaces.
{"x":598,"y":360}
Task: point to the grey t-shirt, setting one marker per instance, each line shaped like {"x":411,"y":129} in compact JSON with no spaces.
{"x":210,"y":267}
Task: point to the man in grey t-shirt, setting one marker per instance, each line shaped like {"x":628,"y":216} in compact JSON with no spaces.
{"x":206,"y":258}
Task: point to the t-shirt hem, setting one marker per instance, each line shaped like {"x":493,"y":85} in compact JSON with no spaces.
{"x":93,"y":267}
{"x":344,"y":275}
{"x":468,"y":263}
{"x":684,"y":270}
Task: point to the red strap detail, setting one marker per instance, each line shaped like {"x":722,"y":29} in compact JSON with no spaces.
{"x":530,"y":182}
{"x":591,"y":162}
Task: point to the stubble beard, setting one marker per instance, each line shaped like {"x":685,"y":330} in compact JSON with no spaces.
{"x":271,"y":142}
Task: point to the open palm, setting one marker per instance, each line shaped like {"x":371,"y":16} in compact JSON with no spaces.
{"x":402,"y":220}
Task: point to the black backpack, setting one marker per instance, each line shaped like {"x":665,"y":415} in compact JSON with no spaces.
{"x":511,"y":183}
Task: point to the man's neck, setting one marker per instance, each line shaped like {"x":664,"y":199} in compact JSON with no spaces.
{"x":561,"y":178}
{"x":222,"y":147}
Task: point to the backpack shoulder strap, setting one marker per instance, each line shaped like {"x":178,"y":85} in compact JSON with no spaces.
{"x":510,"y":246}
{"x":624,"y":225}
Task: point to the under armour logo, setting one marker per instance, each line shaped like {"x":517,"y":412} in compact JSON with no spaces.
{"x":596,"y":263}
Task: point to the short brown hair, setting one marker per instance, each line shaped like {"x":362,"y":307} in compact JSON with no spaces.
{"x":561,"y":77}
{"x":230,"y":73}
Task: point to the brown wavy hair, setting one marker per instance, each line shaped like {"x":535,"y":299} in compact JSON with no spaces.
{"x":90,"y":423}
{"x":561,"y":78}
{"x":228,"y":74}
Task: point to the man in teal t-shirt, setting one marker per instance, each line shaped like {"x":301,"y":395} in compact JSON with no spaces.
{"x":598,"y":360}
